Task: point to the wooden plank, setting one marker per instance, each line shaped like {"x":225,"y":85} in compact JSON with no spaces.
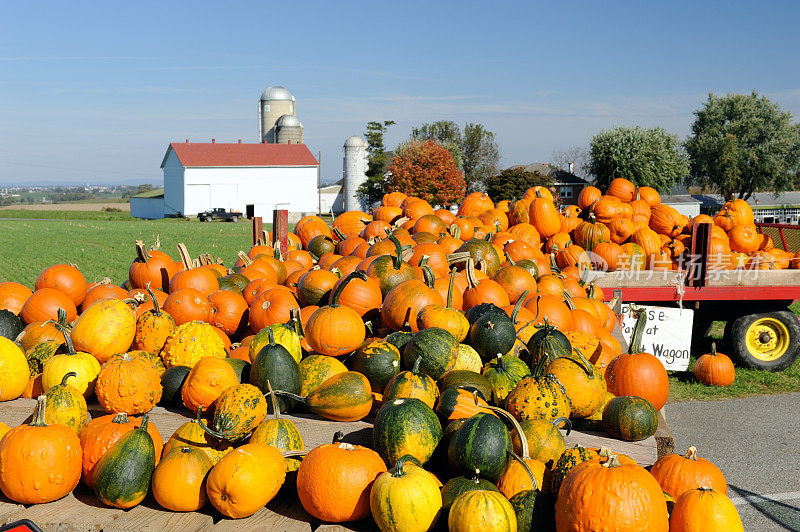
{"x":365,"y":525}
{"x":149,"y":516}
{"x":80,"y":511}
{"x":280,"y":229}
{"x":9,"y":510}
{"x":279,"y":515}
{"x":257,"y":229}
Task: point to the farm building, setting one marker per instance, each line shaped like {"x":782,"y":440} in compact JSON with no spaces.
{"x":251,"y":178}
{"x":567,"y":185}
{"x":148,"y":205}
{"x":767,"y":207}
{"x":330,"y":198}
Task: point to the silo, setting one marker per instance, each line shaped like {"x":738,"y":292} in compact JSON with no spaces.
{"x":274,"y":103}
{"x":355,"y":168}
{"x":288,"y":130}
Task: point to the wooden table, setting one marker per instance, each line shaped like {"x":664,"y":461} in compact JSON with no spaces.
{"x":81,"y":510}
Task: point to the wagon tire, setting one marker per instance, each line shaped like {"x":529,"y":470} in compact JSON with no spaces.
{"x":768,"y":341}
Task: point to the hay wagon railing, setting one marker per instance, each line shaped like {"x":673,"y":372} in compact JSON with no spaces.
{"x":784,"y":235}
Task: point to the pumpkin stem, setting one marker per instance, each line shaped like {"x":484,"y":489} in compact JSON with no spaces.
{"x":475,"y":479}
{"x":523,"y":440}
{"x":415,"y":368}
{"x":472,"y":281}
{"x":247,"y":261}
{"x":61,"y":317}
{"x":67,"y":338}
{"x":423,"y":261}
{"x":141,"y":252}
{"x":450,"y":288}
{"x":568,"y":300}
{"x":39,"y":411}
{"x":527,"y":468}
{"x":398,"y":472}
{"x":691,"y":453}
{"x":518,"y":305}
{"x":429,"y":276}
{"x":121,"y":418}
{"x":67,"y":376}
{"x":714,"y":348}
{"x":559,"y":420}
{"x":186,"y":259}
{"x":297,"y":322}
{"x":338,"y":436}
{"x":509,"y":259}
{"x":398,"y":259}
{"x":584,"y":275}
{"x":270,"y":336}
{"x":296,"y":397}
{"x":635,"y":346}
{"x":455,"y":231}
{"x":582,"y":363}
{"x":276,"y":410}
{"x":349,"y":277}
{"x":553,"y":265}
{"x":338,"y":233}
{"x":205,"y":428}
{"x":156,"y":309}
{"x":613,"y":460}
{"x":143,"y":426}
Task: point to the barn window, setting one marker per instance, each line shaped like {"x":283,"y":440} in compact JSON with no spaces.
{"x":565,"y":192}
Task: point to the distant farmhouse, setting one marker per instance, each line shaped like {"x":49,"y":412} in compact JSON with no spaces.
{"x":567,"y":185}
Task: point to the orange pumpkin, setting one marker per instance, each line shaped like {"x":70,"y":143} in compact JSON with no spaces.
{"x":678,"y":474}
{"x":179,"y":481}
{"x":544,"y":216}
{"x":206,"y":381}
{"x":128,"y":384}
{"x":13,"y":296}
{"x":622,"y":189}
{"x":154,"y":269}
{"x":65,"y":278}
{"x":40,"y":463}
{"x":228,"y":311}
{"x":336,"y":330}
{"x":334,"y":481}
{"x":246,"y":479}
{"x":43,"y":305}
{"x":106,"y":328}
{"x":187,"y":304}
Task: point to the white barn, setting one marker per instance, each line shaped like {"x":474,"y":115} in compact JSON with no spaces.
{"x":264,"y":177}
{"x":148,"y":205}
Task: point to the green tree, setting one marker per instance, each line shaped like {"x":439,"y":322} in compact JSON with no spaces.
{"x":481,"y":155}
{"x":373,"y":189}
{"x":647,"y":157}
{"x":511,"y":183}
{"x":475,"y":150}
{"x":744,"y":143}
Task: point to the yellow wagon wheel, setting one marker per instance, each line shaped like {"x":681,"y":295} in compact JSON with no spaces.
{"x":768,"y":341}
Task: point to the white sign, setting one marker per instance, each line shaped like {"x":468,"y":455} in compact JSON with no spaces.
{"x":667,"y":334}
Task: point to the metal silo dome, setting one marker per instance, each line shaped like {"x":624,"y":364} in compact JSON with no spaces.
{"x":288,"y":121}
{"x":276,"y":92}
{"x":355,"y":142}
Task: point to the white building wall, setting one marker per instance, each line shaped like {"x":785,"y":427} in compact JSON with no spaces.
{"x":147,"y":208}
{"x":331,"y":201}
{"x":173,"y":185}
{"x":268,"y":188}
{"x":687,"y":209}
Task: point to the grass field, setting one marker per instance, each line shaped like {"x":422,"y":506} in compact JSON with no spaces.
{"x":33,"y":214}
{"x":105,"y":248}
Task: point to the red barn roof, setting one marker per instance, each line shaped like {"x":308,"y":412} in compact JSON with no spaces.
{"x":219,"y":154}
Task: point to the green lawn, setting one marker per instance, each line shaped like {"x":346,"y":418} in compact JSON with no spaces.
{"x":103,"y":248}
{"x":29,"y":214}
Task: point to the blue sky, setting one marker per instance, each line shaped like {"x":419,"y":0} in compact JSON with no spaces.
{"x":94,"y":92}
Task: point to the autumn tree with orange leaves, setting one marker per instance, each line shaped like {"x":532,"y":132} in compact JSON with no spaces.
{"x":428,"y":171}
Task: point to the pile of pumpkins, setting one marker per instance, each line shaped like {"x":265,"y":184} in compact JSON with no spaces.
{"x":472,"y":340}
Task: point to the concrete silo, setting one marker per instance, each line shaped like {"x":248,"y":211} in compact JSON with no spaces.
{"x":275,"y":102}
{"x":355,"y":168}
{"x":288,"y":130}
